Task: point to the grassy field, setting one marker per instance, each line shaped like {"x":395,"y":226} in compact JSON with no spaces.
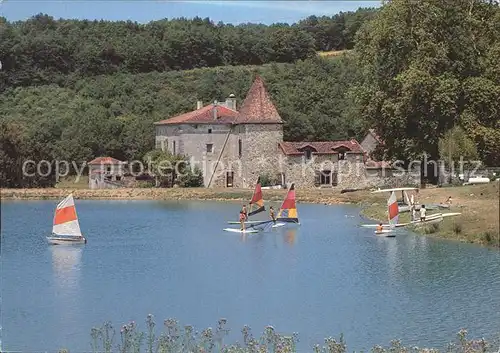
{"x":479,"y":204}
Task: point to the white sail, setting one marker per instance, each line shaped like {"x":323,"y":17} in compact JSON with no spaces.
{"x":66,"y":219}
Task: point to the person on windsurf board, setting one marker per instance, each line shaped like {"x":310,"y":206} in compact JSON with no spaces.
{"x":272,"y":215}
{"x":242,"y":220}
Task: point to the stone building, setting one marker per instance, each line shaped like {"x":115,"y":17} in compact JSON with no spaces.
{"x":106,"y":173}
{"x":235,"y":146}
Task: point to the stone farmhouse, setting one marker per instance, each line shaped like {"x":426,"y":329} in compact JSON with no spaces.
{"x":233,"y":147}
{"x":106,"y":173}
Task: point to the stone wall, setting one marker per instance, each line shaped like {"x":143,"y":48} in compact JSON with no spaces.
{"x":260,"y":151}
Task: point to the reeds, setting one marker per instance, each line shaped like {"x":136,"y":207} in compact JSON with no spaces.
{"x":185,"y":339}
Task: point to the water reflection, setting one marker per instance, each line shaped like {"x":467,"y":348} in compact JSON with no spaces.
{"x":66,"y":273}
{"x":290,"y":236}
{"x":66,"y":263}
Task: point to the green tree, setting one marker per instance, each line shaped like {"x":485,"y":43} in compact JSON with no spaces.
{"x":456,"y":148}
{"x":420,"y":61}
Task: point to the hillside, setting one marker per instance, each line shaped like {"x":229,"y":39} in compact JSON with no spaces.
{"x":114,"y":114}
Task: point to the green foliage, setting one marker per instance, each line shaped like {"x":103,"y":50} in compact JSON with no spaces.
{"x":42,"y":50}
{"x":427,"y":66}
{"x":191,"y":177}
{"x":455,"y":144}
{"x":114,"y":115}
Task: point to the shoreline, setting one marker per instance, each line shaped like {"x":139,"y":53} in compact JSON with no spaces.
{"x":477,"y":224}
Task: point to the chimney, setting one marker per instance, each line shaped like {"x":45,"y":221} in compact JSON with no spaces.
{"x":214,"y":109}
{"x":231,"y":102}
{"x":199,"y":104}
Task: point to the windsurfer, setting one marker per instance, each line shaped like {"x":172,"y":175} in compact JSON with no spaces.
{"x":242,"y":220}
{"x":380,"y":228}
{"x":271,"y":214}
{"x":244,"y":211}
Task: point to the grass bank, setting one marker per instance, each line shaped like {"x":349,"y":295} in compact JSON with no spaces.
{"x":479,"y":204}
{"x":478,"y":223}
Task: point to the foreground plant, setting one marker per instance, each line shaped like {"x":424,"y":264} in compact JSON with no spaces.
{"x":178,"y":339}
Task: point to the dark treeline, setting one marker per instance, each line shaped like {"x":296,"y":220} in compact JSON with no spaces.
{"x":43,"y":50}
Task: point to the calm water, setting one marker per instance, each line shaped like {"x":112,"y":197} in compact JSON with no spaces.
{"x":172,"y":259}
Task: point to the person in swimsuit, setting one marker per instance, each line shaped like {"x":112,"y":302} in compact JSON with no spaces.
{"x":379,"y":227}
{"x":244,"y":210}
{"x":242,"y":221}
{"x":272,"y":215}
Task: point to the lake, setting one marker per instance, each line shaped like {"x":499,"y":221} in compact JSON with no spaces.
{"x":172,"y":259}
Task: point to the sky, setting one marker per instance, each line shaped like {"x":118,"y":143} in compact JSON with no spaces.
{"x":143,"y":11}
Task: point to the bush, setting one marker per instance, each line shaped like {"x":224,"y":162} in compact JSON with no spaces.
{"x":457,"y":228}
{"x":432,"y":228}
{"x":191,"y":178}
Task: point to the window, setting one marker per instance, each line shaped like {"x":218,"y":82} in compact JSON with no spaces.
{"x":209,"y":131}
{"x":341,"y":156}
{"x":325,"y":177}
{"x":108,"y":169}
{"x":308,"y":154}
{"x":239,"y":147}
{"x":173,"y":147}
{"x":229,"y":179}
{"x":118,"y":178}
{"x":210,"y":147}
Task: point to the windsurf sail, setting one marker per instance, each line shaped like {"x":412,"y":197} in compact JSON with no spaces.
{"x":288,"y":209}
{"x":257,"y":200}
{"x":393,"y":207}
{"x":65,"y":218}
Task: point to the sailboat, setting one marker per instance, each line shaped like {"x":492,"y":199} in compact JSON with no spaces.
{"x":256,"y":202}
{"x":393,"y":215}
{"x":66,"y":228}
{"x":288,"y":210}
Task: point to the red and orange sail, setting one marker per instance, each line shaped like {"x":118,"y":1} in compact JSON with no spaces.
{"x":257,"y":200}
{"x":65,"y":218}
{"x":288,"y":209}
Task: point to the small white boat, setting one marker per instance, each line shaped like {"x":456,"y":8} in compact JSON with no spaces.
{"x":66,"y":228}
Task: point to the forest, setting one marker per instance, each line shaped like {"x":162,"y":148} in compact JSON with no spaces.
{"x":74,"y":90}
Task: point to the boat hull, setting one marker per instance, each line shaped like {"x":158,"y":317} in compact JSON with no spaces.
{"x":65,"y":240}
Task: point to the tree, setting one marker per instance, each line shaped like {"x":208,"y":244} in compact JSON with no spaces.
{"x":456,"y":148}
{"x":419,"y":62}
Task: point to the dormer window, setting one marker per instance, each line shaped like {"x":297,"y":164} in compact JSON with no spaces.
{"x":342,"y":152}
{"x":308,"y":154}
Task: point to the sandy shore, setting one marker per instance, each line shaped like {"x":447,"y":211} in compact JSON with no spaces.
{"x":479,"y":205}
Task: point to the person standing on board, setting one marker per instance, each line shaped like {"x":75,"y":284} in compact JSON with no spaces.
{"x":422,"y":213}
{"x":244,"y":210}
{"x":271,"y":214}
{"x":380,"y":228}
{"x":242,"y":221}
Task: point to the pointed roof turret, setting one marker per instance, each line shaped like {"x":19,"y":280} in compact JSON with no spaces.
{"x":257,"y":108}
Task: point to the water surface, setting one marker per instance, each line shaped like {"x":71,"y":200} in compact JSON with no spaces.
{"x":172,"y":259}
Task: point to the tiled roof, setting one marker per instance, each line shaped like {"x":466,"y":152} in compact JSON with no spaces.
{"x":105,"y":160}
{"x":320,"y":147}
{"x":258,"y":107}
{"x":204,"y":115}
